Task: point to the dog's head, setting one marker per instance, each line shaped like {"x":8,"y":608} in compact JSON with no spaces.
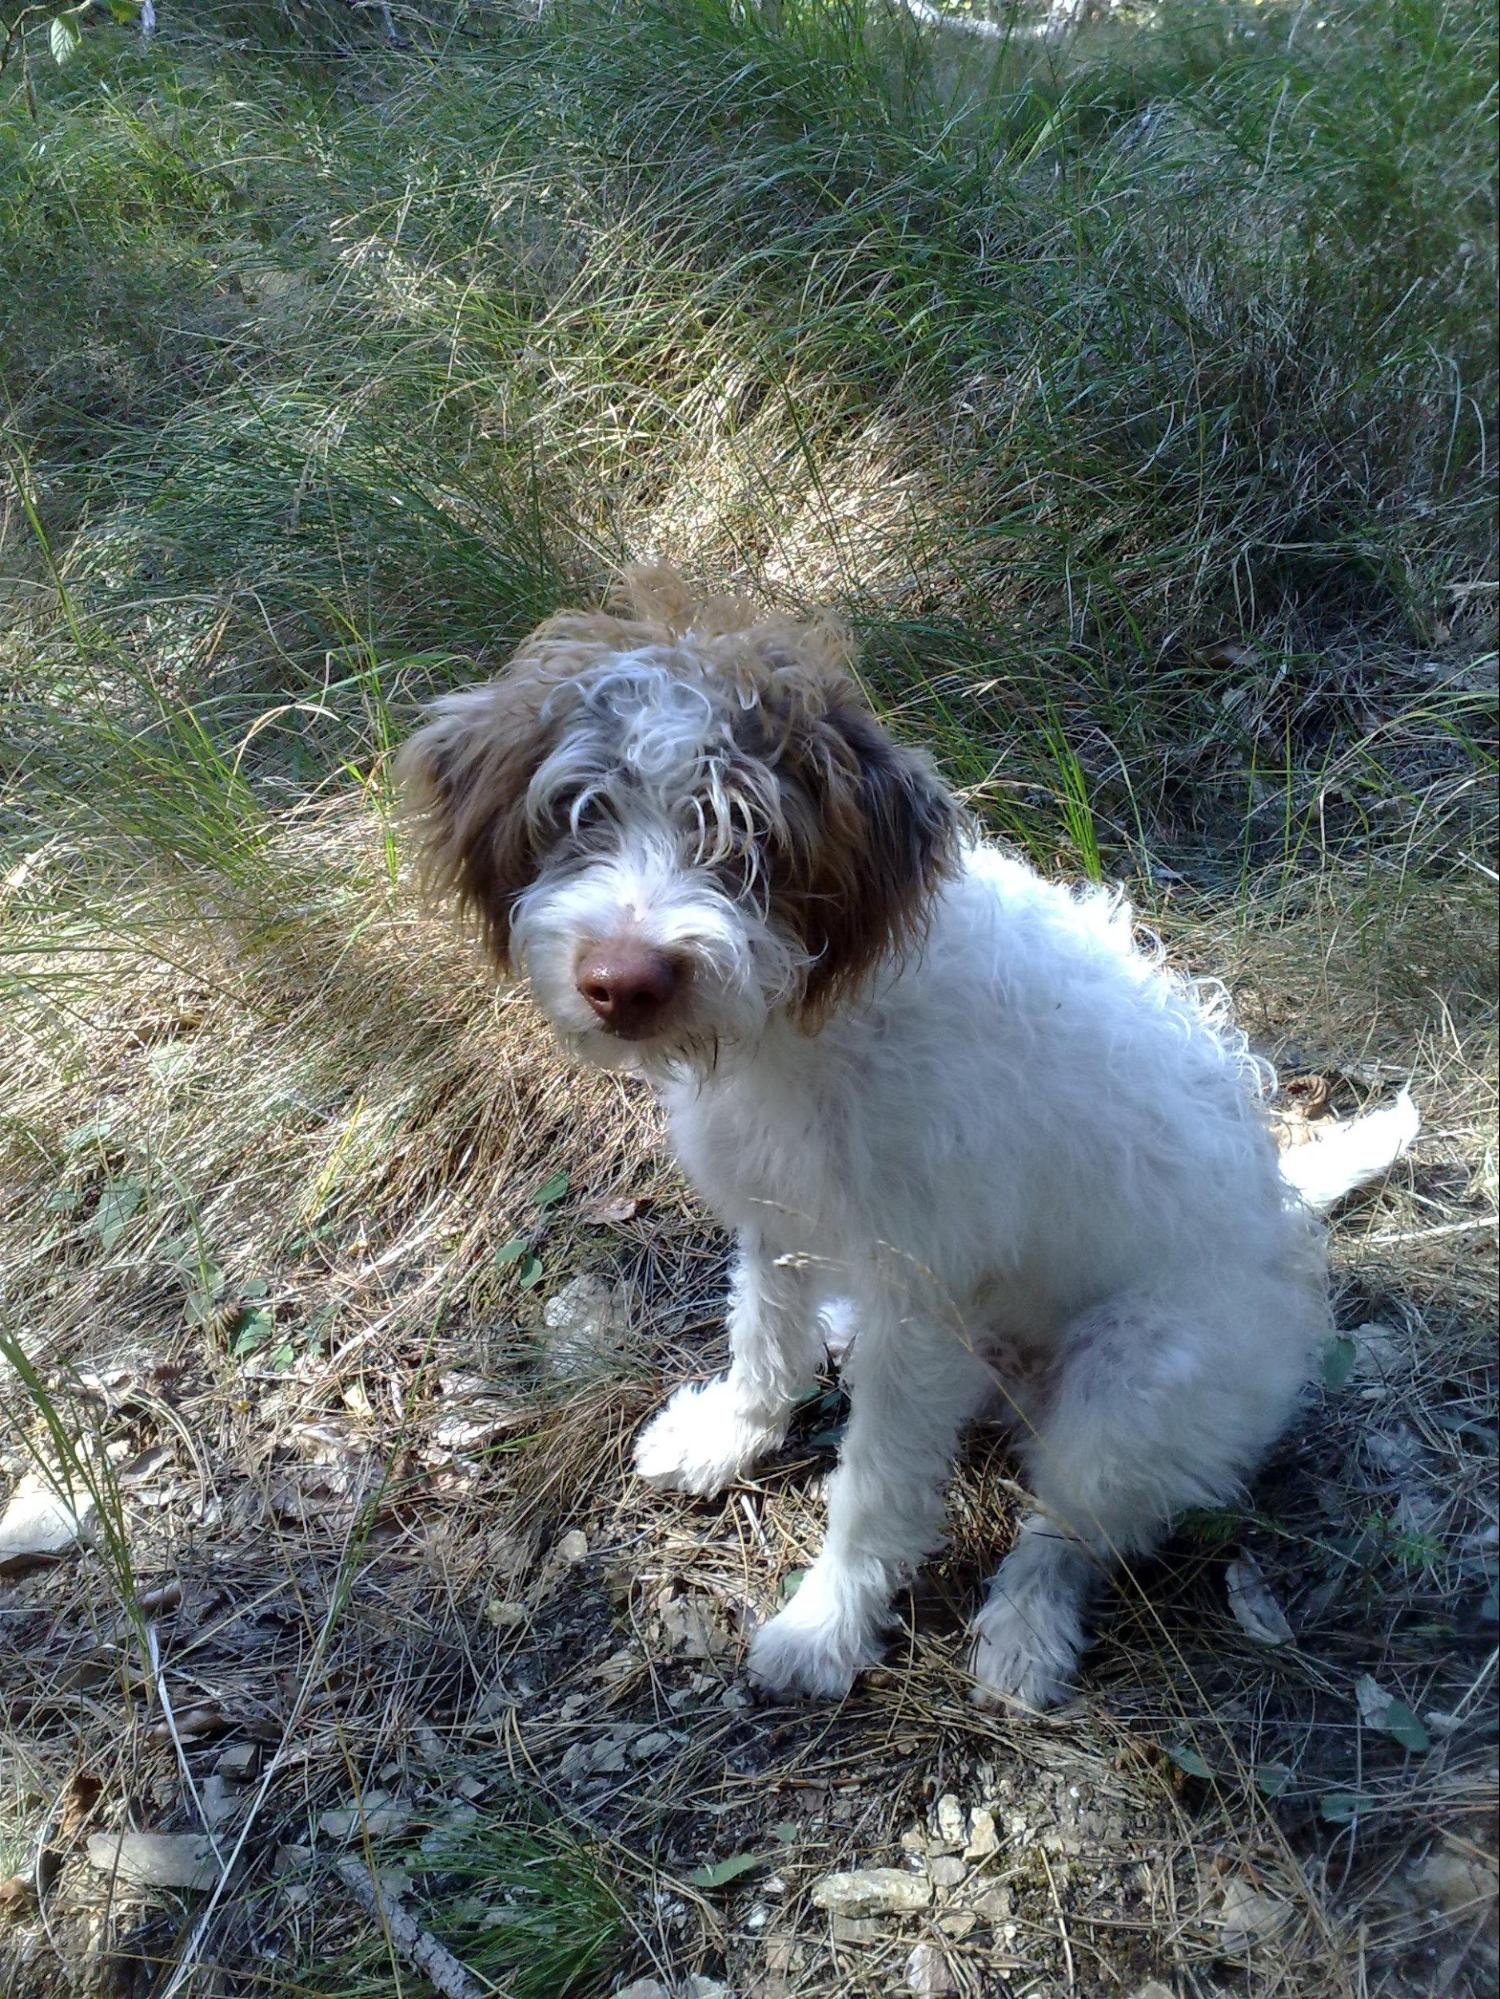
{"x":676,"y":821}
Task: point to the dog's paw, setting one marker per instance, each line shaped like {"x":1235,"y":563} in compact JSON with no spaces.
{"x":815,"y":1646}
{"x":1024,"y":1652}
{"x":701,"y":1441}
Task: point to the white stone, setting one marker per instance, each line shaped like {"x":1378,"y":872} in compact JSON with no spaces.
{"x":983,"y":1838}
{"x":39,"y":1525}
{"x":155,"y":1859}
{"x":583,"y":1325}
{"x":872,"y":1891}
{"x":929,"y":1974}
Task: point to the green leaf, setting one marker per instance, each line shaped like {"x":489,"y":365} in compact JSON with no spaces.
{"x":281,"y":1357}
{"x":255,"y":1287}
{"x":254,"y":1333}
{"x":1190,"y":1762}
{"x":1404,"y":1727}
{"x":65,"y":39}
{"x":787,"y":1831}
{"x":63,"y":1200}
{"x":117,"y":1204}
{"x":531,"y":1273}
{"x":165,"y":1063}
{"x":791,"y":1582}
{"x":721,"y":1871}
{"x":1338,"y":1807}
{"x":1338,"y":1361}
{"x":1271,"y":1779}
{"x":204,"y":1296}
{"x":512,"y":1251}
{"x":552,"y":1190}
{"x":93,"y":1133}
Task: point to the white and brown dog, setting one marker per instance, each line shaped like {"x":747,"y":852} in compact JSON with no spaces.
{"x":955,"y":1103}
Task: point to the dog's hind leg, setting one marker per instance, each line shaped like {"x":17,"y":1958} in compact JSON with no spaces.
{"x":913,"y":1387}
{"x":1148,"y":1413}
{"x":711,"y":1433}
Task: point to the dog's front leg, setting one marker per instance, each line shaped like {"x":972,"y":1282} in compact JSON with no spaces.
{"x":710,"y":1434}
{"x":913,"y":1386}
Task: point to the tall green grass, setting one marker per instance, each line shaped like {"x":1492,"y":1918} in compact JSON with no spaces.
{"x":1104,"y":387}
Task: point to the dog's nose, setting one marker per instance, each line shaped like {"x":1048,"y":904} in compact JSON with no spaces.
{"x":629,"y":987}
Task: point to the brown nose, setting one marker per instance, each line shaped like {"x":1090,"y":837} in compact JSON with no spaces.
{"x":629,"y":987}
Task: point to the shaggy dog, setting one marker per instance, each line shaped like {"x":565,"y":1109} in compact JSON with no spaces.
{"x":959,"y":1107}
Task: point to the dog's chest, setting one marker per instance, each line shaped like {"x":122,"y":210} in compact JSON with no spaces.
{"x":761,"y":1148}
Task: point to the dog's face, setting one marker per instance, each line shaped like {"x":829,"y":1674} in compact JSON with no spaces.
{"x":675,"y":831}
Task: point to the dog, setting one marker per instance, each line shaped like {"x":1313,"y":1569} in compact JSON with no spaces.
{"x":959,"y":1108}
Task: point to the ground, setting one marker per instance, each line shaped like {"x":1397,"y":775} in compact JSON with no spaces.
{"x":1131,"y":392}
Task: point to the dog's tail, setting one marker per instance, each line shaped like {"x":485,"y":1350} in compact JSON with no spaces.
{"x":1345,"y":1156}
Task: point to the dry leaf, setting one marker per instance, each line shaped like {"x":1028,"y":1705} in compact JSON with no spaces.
{"x":1256,"y":1610}
{"x":207,"y":1718}
{"x":614,"y":1213}
{"x":80,"y":1801}
{"x":17,"y":1894}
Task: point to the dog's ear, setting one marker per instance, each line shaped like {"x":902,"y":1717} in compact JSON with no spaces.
{"x":869,"y":833}
{"x":463,"y":779}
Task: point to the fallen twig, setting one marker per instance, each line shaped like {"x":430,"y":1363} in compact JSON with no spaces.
{"x":416,"y":1946}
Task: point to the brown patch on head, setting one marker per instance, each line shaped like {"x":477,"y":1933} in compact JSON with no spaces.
{"x":867,"y":832}
{"x":464,"y":778}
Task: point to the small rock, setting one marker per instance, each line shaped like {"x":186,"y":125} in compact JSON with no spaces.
{"x":947,"y":1870}
{"x":994,"y":1905}
{"x":583,"y":1325}
{"x":1153,"y":1989}
{"x":239,"y":1762}
{"x":856,"y":1929}
{"x":503,"y":1614}
{"x":221,"y":1801}
{"x":657,"y":1743}
{"x":952,"y":1825}
{"x":696,"y":1986}
{"x":572,"y":1546}
{"x":1248,"y":1916}
{"x":378,"y":1815}
{"x":644,"y":1988}
{"x":155,"y":1859}
{"x":957,"y":1923}
{"x":40,"y":1525}
{"x":928,"y":1972}
{"x":983,"y":1838}
{"x":872,"y":1891}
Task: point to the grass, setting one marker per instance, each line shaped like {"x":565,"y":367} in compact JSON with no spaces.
{"x":1133,"y":394}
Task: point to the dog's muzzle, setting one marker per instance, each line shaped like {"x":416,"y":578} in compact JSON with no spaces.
{"x":629,"y":987}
